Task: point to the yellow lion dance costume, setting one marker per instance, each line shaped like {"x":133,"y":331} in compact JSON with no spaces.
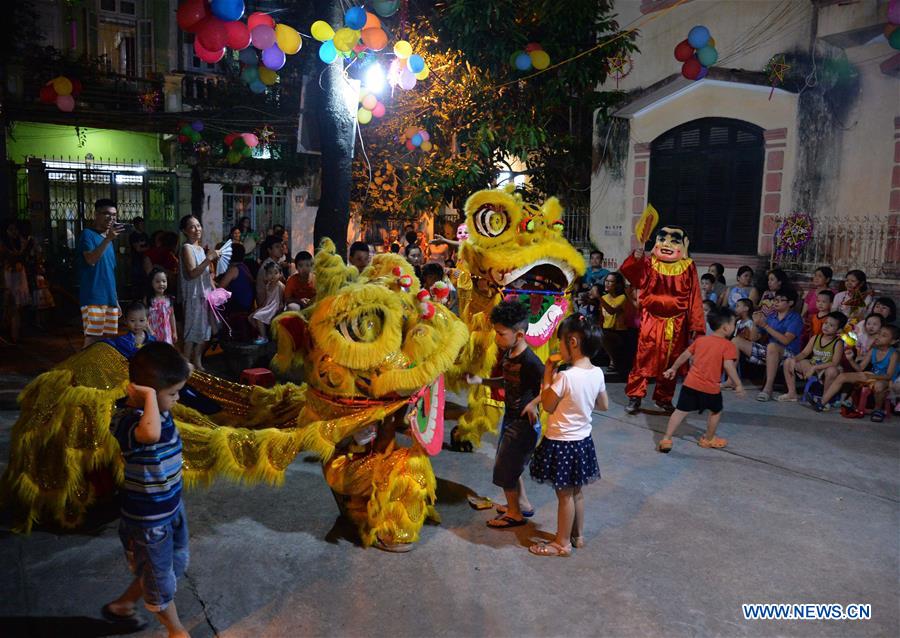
{"x":366,"y":345}
{"x":518,"y":248}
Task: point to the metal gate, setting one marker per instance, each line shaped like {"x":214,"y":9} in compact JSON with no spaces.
{"x":264,"y":206}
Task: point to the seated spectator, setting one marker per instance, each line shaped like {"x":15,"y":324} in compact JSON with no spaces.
{"x":821,"y":281}
{"x":776,"y":282}
{"x":708,"y":307}
{"x":300,"y":289}
{"x":744,"y":289}
{"x":274,"y":304}
{"x":717,"y":270}
{"x":616,"y":311}
{"x":824,"y":301}
{"x":856,"y":299}
{"x":239,"y":282}
{"x":707,"y":286}
{"x":865,"y":339}
{"x":783,"y":327}
{"x":359,"y":255}
{"x":885,"y":307}
{"x":273,"y":247}
{"x":820,"y":358}
{"x":743,"y":313}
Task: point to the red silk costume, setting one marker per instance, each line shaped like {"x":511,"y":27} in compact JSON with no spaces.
{"x":671,"y":308}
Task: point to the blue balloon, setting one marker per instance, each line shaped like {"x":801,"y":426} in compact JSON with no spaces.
{"x":273,"y":57}
{"x":197,"y":125}
{"x":355,"y":18}
{"x":698,"y":37}
{"x":227,"y":10}
{"x":248,"y":56}
{"x":327,"y":52}
{"x":703,"y":72}
{"x":417,"y":139}
{"x":257,"y":86}
{"x":416,"y":63}
{"x":523,"y":61}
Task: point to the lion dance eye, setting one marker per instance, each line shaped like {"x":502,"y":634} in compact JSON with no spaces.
{"x":491,"y":220}
{"x":362,"y":327}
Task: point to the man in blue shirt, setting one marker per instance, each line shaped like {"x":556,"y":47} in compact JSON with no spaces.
{"x":97,"y":274}
{"x":596,"y":273}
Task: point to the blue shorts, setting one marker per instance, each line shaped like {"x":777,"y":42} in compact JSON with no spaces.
{"x":157,"y":556}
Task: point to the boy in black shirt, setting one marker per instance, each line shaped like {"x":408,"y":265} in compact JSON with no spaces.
{"x":521,"y":382}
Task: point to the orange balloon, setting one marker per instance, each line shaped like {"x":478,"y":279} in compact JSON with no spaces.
{"x":372,"y":21}
{"x":374,"y":38}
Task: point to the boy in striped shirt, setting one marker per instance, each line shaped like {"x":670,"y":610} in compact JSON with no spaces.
{"x":153,"y":528}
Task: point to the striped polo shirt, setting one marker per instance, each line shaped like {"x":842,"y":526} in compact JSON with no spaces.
{"x":151,"y":493}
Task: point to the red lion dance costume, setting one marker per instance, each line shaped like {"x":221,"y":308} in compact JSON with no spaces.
{"x":671,"y":312}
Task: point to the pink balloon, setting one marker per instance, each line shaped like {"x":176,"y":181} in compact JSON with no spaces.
{"x":205,"y":54}
{"x":262,"y":36}
{"x":378,"y":111}
{"x":65,"y":103}
{"x":425,"y":135}
{"x":250,"y":140}
{"x":893,"y":12}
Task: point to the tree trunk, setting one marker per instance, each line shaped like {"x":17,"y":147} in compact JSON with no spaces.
{"x":336,"y":130}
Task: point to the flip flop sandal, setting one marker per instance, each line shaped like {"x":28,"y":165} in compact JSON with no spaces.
{"x":133,"y":622}
{"x":550,"y":549}
{"x":480,"y":502}
{"x":501,"y":509}
{"x":877,"y":416}
{"x":786,"y":398}
{"x":664,"y":446}
{"x":763,"y":396}
{"x":505,"y":522}
{"x":715,"y":443}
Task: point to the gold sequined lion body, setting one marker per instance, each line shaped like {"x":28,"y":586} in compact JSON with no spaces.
{"x":364,"y":347}
{"x":518,"y":247}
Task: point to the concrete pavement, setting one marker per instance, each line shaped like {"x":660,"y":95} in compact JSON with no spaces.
{"x":801,"y":507}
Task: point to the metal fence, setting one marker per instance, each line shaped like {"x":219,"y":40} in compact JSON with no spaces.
{"x":869,"y":243}
{"x":577,"y":222}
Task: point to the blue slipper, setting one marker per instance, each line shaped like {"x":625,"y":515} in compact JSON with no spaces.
{"x":501,"y":509}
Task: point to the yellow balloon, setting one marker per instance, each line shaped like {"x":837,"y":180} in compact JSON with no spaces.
{"x":345,"y":39}
{"x":425,"y":146}
{"x":540,"y":59}
{"x":287,"y":38}
{"x":62,"y":85}
{"x":421,"y":75}
{"x":403,"y":49}
{"x":364,"y":116}
{"x":267,"y":76}
{"x":322,"y":31}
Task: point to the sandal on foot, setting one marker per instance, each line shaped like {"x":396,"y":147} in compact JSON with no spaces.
{"x":664,"y":446}
{"x":716,"y":442}
{"x":577,"y":541}
{"x":764,"y":396}
{"x":787,"y":397}
{"x":133,"y":621}
{"x":504,"y":521}
{"x":877,"y":416}
{"x":550,"y":549}
{"x":501,"y":509}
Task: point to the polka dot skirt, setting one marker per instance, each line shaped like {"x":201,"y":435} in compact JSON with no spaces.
{"x":565,"y":463}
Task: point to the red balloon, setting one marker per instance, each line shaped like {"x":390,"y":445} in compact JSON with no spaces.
{"x":76,"y":86}
{"x":532,"y":46}
{"x":238,"y":35}
{"x":48,"y":94}
{"x":691,"y":69}
{"x":410,"y":146}
{"x":212,"y":34}
{"x":183,"y":139}
{"x":230,"y":138}
{"x":258,"y":18}
{"x":191,"y":14}
{"x":206,"y":55}
{"x":683,"y":51}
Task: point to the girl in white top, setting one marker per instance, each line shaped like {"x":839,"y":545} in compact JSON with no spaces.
{"x":565,"y":456}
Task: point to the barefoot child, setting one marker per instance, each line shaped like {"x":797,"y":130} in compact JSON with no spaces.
{"x":566,"y":457}
{"x":521,"y":382}
{"x":153,"y":528}
{"x":820,"y":358}
{"x":708,"y":355}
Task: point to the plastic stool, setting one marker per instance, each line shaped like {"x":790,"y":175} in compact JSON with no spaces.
{"x":258,"y":376}
{"x":863,"y":394}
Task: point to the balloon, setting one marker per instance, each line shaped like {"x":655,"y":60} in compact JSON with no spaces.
{"x":229,"y":139}
{"x":76,"y":87}
{"x":402,"y":49}
{"x":683,"y":51}
{"x":239,"y":142}
{"x":703,"y":73}
{"x":251,"y":74}
{"x":691,"y":69}
{"x":540,"y":59}
{"x":327,"y":52}
{"x":375,"y":38}
{"x":62,"y":85}
{"x":212,"y":34}
{"x":363,"y":116}
{"x":210,"y":57}
{"x":267,"y":76}
{"x":260,"y":18}
{"x":247,"y":151}
{"x":372,"y":22}
{"x":712,"y":42}
{"x":47,"y":94}
{"x":233,"y":157}
{"x":65,"y":103}
{"x":421,"y":75}
{"x":417,"y":139}
{"x":197,"y":125}
{"x":191,"y":14}
{"x":369,"y":101}
{"x":322,"y":31}
{"x":250,"y":139}
{"x":182,"y":139}
{"x":237,"y":35}
{"x":248,"y":57}
{"x":893,"y":12}
{"x":378,"y":111}
{"x":425,"y":135}
{"x":186,"y":129}
{"x":533,"y":46}
{"x":523,"y":61}
{"x":273,"y":57}
{"x":415,"y":63}
{"x":426,"y":146}
{"x":889,"y":29}
{"x":227,"y":10}
{"x":698,"y":37}
{"x":257,"y":87}
{"x":345,"y":39}
{"x":386,"y":8}
{"x":194,"y":136}
{"x":409,"y":131}
{"x":707,"y":56}
{"x":287,"y":38}
{"x":355,"y":18}
{"x":894,"y":39}
{"x":262,"y":36}
{"x":407,"y":79}
{"x":409,"y":146}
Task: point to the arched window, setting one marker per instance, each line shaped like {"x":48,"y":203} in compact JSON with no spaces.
{"x":706,"y":176}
